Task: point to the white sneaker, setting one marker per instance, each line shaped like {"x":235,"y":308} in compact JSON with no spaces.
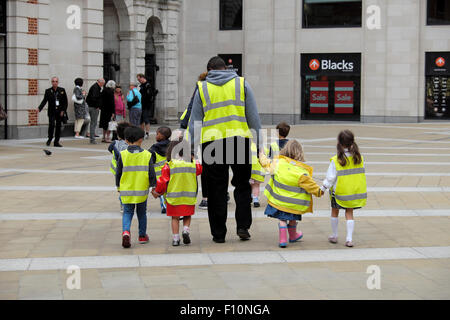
{"x":78,"y":137}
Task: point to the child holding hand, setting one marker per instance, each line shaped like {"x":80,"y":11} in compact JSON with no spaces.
{"x":289,"y":190}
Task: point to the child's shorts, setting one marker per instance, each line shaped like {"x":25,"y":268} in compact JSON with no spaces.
{"x":335,"y":205}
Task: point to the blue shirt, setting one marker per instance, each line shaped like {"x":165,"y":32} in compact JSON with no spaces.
{"x":130,"y":98}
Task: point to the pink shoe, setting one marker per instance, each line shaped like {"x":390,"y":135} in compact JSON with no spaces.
{"x":349,"y":244}
{"x":293,"y":234}
{"x":283,"y":236}
{"x":332,"y":239}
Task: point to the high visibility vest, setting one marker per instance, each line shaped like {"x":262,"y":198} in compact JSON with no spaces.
{"x":224,"y":110}
{"x":283,"y":190}
{"x":275,"y":149}
{"x":159,"y":164}
{"x":113,"y":166}
{"x":182,"y":186}
{"x":258,"y":172}
{"x":350,"y":190}
{"x":134,"y":183}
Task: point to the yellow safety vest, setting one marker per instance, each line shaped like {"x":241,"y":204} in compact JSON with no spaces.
{"x":184,"y":114}
{"x":182,"y":186}
{"x":113,"y":166}
{"x":224,"y":110}
{"x":275,"y":149}
{"x":258,"y":172}
{"x":351,"y":187}
{"x":283,"y":191}
{"x":134,"y":183}
{"x":160,"y":161}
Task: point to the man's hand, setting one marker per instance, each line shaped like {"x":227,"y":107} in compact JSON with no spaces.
{"x":118,"y":190}
{"x":62,"y":114}
{"x":38,"y":110}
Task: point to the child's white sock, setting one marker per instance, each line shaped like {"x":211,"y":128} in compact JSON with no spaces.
{"x":185,"y":229}
{"x":334,"y":226}
{"x":350,"y":227}
{"x":176,"y":237}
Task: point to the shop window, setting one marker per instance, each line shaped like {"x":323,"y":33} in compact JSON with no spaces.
{"x":233,"y":61}
{"x":230,"y":14}
{"x":437,"y":85}
{"x":438,"y":12}
{"x":332,"y":13}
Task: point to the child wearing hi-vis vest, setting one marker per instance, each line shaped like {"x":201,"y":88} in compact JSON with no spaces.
{"x":134,"y":176}
{"x":158,"y":151}
{"x":346,"y":181}
{"x":178,"y":181}
{"x":289,"y":190}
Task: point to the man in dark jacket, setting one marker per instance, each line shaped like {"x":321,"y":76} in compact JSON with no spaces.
{"x":147,"y":103}
{"x":94,"y":101}
{"x":57,"y":105}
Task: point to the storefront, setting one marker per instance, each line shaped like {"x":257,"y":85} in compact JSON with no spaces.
{"x":437,"y":84}
{"x":331,"y":86}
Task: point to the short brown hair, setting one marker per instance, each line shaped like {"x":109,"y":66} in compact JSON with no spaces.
{"x":141,"y":75}
{"x":165,"y":131}
{"x":283,"y":129}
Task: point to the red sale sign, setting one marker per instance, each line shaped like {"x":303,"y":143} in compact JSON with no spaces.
{"x":318,"y":102}
{"x":343,"y":96}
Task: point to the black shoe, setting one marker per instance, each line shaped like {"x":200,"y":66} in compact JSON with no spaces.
{"x":203,"y":205}
{"x":219,"y":240}
{"x":256,"y":204}
{"x":228,"y":197}
{"x":163,"y":211}
{"x":57,"y":144}
{"x":243,"y":234}
{"x":175,"y":243}
{"x":48,"y":142}
{"x":186,"y":238}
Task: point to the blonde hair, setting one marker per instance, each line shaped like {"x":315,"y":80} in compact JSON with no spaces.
{"x":294,"y":150}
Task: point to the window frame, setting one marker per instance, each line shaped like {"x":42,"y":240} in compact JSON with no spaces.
{"x":329,"y":26}
{"x":221,"y":19}
{"x":428,"y":18}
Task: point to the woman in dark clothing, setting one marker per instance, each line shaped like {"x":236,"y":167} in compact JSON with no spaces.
{"x":108,"y":109}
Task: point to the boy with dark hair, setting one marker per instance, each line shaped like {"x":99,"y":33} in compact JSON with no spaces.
{"x":283,"y":131}
{"x":159,"y":158}
{"x":135,"y":175}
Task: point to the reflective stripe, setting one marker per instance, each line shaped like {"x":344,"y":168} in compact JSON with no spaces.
{"x":158,"y":164}
{"x":183,"y":170}
{"x":288,"y":188}
{"x":206,"y":93}
{"x":113,"y":167}
{"x":222,"y":104}
{"x":258,"y":172}
{"x":181,"y":194}
{"x":224,"y":120}
{"x":133,"y":193}
{"x":350,"y":171}
{"x":359,"y":196}
{"x":300,"y":202}
{"x":237,"y":100}
{"x":135,"y":168}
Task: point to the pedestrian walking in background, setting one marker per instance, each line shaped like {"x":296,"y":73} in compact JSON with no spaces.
{"x":225,"y":107}
{"x":108,"y":109}
{"x":134,"y":99}
{"x":56,"y":98}
{"x":346,"y":180}
{"x":283,"y":131}
{"x":135,"y":175}
{"x":80,"y":109}
{"x":289,"y":190}
{"x":146,"y":91}
{"x":94,"y":101}
{"x":179,"y":181}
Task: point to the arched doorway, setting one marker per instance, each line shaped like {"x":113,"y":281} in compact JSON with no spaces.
{"x":155,"y":64}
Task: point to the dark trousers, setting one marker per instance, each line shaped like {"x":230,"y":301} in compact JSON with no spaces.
{"x":204,"y":186}
{"x":216,"y":177}
{"x":54,"y":126}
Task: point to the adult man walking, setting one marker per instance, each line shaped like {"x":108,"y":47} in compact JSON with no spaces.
{"x":226,"y":109}
{"x":57,"y":105}
{"x":146,"y":91}
{"x":94,"y":101}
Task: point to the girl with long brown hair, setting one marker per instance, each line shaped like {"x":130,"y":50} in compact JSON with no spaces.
{"x":346,"y":181}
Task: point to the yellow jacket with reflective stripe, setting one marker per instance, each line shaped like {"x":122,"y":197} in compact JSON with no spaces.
{"x":182,"y":186}
{"x":258,"y":173}
{"x":113,"y":167}
{"x":160,"y":161}
{"x":350,"y":190}
{"x":283,"y":191}
{"x":224,"y":110}
{"x":134,"y":182}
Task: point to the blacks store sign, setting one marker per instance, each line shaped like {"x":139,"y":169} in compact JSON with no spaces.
{"x":331,"y":64}
{"x":437,"y":63}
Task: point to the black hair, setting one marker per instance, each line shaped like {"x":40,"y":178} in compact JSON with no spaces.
{"x":283,"y":129}
{"x":216,"y":63}
{"x":78,"y":82}
{"x":121,"y":126}
{"x":165,"y":131}
{"x":133,"y":134}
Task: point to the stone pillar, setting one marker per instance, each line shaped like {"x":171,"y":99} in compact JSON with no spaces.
{"x":92,"y":27}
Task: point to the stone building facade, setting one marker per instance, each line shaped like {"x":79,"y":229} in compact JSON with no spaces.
{"x":173,"y":39}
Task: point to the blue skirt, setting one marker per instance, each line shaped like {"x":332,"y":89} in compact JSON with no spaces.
{"x":281,"y":215}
